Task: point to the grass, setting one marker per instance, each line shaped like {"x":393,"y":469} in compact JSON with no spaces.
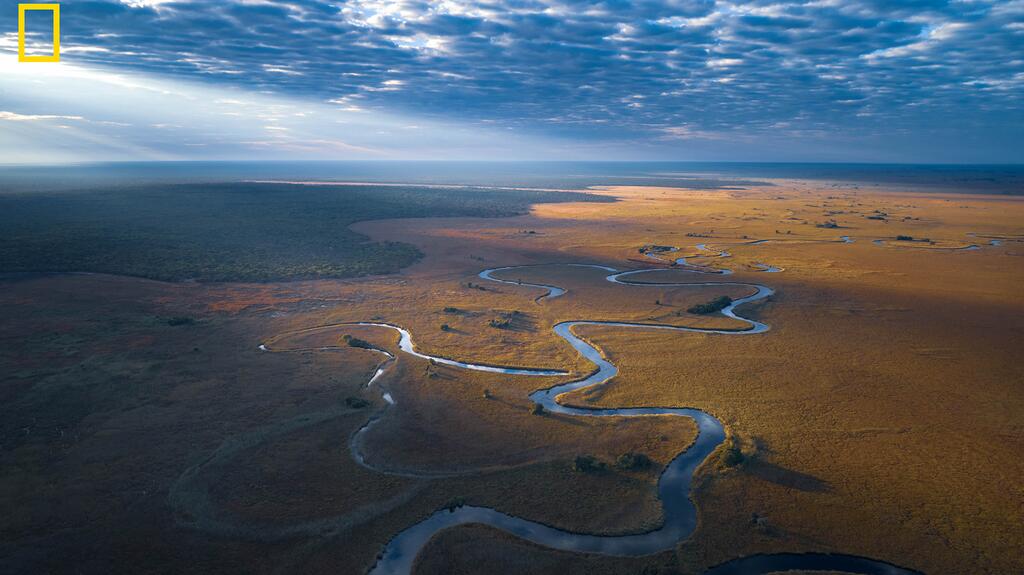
{"x":232,"y":232}
{"x":854,"y":399}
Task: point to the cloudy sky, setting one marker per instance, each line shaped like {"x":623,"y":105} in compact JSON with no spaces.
{"x":822,"y":80}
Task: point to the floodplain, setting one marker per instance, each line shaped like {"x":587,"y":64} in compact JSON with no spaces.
{"x":257,"y":427}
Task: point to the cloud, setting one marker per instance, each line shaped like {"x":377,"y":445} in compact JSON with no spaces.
{"x":14,"y":117}
{"x":945,"y":71}
{"x":67,"y":113}
{"x":687,"y":133}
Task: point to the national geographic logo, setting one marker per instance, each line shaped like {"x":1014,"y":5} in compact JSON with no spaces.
{"x":55,"y":55}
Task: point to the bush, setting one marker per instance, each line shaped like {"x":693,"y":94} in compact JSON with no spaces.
{"x":356,"y":342}
{"x":181,"y":321}
{"x":633,"y":462}
{"x":450,"y":309}
{"x":445,"y":327}
{"x":356,"y":402}
{"x":730,"y":456}
{"x":588,"y":464}
{"x":506,"y":319}
{"x":538,"y":409}
{"x":712,"y":306}
{"x":902,"y":238}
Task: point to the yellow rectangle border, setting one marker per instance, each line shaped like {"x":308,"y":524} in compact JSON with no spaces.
{"x":55,"y":8}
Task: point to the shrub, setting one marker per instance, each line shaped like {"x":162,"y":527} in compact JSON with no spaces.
{"x":588,"y":464}
{"x":633,"y":461}
{"x":445,"y":327}
{"x":181,"y":320}
{"x":450,"y":309}
{"x":538,"y":409}
{"x":356,"y":402}
{"x":730,"y":456}
{"x":712,"y":306}
{"x":902,"y":238}
{"x":356,"y":342}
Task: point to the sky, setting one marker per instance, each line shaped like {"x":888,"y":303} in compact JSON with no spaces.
{"x":819,"y":80}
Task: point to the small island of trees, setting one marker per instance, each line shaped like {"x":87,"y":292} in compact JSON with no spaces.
{"x":903,"y":238}
{"x":717,"y":304}
{"x":355,"y":342}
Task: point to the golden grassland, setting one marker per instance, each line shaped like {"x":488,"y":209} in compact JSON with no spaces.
{"x":880,"y":416}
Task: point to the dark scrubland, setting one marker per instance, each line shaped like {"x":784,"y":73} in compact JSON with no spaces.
{"x":232,"y":231}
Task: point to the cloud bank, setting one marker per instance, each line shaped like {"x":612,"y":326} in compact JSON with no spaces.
{"x":667,"y":79}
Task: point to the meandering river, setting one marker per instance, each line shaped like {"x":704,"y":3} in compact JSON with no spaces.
{"x":680,"y":517}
